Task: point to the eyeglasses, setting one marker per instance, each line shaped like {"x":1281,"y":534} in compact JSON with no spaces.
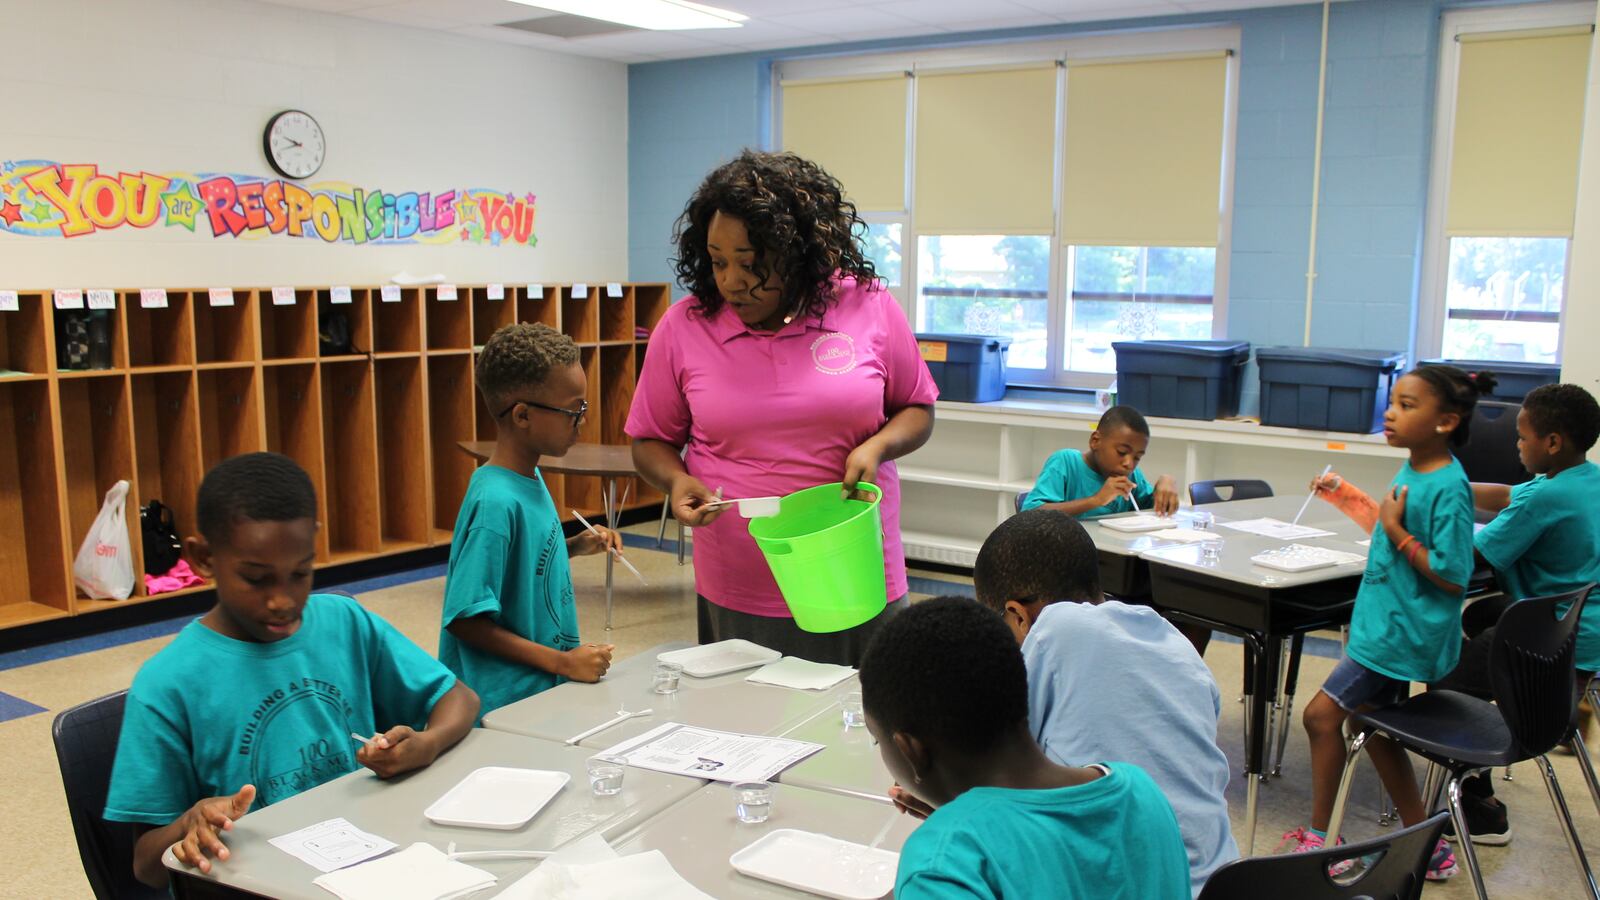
{"x":575,"y":414}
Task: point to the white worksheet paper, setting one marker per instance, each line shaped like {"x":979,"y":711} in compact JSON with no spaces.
{"x":715,"y":755}
{"x":332,"y":845}
{"x":1276,"y":529}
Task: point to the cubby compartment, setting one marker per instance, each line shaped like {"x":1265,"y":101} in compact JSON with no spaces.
{"x":486,"y":429}
{"x":350,"y":460}
{"x":98,"y":335}
{"x":616,"y":382}
{"x":616,"y":315}
{"x":160,"y":335}
{"x":348,"y":325}
{"x":24,"y":338}
{"x":166,"y":440}
{"x":450,"y":321}
{"x":97,"y":452}
{"x":292,"y":415}
{"x":225,"y":334}
{"x":450,"y":419}
{"x":230,"y":414}
{"x":584,"y":492}
{"x":489,"y":316}
{"x":289,"y":331}
{"x":397,"y":325}
{"x":34,"y":565}
{"x":580,"y":316}
{"x":543,"y":308}
{"x":650,"y":303}
{"x":402,"y":453}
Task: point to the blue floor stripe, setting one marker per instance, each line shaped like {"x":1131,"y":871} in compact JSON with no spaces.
{"x":15,"y":708}
{"x":74,"y":646}
{"x":921,"y":584}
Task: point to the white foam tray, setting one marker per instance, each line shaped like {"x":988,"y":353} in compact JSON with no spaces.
{"x":720,"y":658}
{"x":497,"y":797}
{"x":819,"y":864}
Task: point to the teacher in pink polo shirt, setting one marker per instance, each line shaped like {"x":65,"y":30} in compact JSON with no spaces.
{"x":787,"y":367}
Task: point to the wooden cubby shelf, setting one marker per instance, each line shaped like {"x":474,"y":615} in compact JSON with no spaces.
{"x":191,"y":384}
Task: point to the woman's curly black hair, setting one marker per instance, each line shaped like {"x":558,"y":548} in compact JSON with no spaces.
{"x":800,"y":224}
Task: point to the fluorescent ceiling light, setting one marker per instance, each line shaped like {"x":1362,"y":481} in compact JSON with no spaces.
{"x":656,"y":15}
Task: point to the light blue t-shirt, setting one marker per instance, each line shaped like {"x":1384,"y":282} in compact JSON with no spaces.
{"x":508,"y":560}
{"x":209,"y":714}
{"x":1404,"y":626}
{"x":1113,"y":838}
{"x":1118,"y":682}
{"x":1548,"y":542}
{"x":1067,"y":476}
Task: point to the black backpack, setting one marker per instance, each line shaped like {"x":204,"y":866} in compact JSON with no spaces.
{"x":162,"y":549}
{"x":333,"y":331}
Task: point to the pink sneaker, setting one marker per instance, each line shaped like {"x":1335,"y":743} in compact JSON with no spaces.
{"x":1303,"y":840}
{"x":1443,"y":863}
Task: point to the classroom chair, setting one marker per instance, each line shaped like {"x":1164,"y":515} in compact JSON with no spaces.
{"x":1397,"y":873}
{"x":86,"y":743}
{"x":1236,"y":489}
{"x":1536,"y":701}
{"x":1022,"y":497}
{"x":1490,"y":454}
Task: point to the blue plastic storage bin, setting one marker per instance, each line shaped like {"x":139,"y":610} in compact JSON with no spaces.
{"x":970,"y":368}
{"x":1181,"y":379}
{"x":1327,"y":390}
{"x":1515,"y":379}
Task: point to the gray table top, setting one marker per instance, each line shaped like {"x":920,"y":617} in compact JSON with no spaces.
{"x":849,"y":762}
{"x":700,"y":834}
{"x":1237,"y":547}
{"x":393,"y":809}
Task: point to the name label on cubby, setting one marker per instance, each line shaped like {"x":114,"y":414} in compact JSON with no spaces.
{"x":580,"y":292}
{"x":221,"y":296}
{"x":283,"y":296}
{"x":496,"y":292}
{"x":152,"y":298}
{"x":445,"y":292}
{"x":614,"y":290}
{"x":8,"y":301}
{"x":535,"y":292}
{"x":390,"y":293}
{"x":340,"y":294}
{"x":102,"y":299}
{"x":69,"y":298}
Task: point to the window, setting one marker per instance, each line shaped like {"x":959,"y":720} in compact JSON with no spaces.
{"x":1503,"y":298}
{"x":883,"y":248}
{"x":987,"y":284}
{"x":1135,"y":294}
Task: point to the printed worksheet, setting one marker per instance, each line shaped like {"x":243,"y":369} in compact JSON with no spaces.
{"x":1276,"y":529}
{"x":715,"y":755}
{"x":332,"y":845}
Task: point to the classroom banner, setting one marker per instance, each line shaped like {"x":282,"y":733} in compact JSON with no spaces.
{"x":39,"y":198}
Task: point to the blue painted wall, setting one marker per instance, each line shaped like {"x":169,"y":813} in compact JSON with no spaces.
{"x":687,"y":116}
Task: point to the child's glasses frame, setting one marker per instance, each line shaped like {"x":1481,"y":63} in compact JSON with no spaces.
{"x":575,"y":414}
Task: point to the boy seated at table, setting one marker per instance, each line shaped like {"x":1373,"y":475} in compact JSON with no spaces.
{"x":257,"y":700}
{"x":1099,"y":481}
{"x":1109,"y":680}
{"x":510,"y":624}
{"x":946,"y":700}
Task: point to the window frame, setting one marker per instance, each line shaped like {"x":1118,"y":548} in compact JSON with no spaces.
{"x":1006,"y":54}
{"x":1432,"y":299}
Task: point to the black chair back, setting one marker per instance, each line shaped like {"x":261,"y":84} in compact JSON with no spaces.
{"x":1022,"y":497}
{"x":1236,"y":489}
{"x":1397,"y":874}
{"x":1531,"y":668}
{"x":1490,"y":454}
{"x":86,"y":744}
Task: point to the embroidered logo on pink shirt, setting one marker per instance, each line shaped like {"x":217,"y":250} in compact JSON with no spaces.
{"x":834,"y":353}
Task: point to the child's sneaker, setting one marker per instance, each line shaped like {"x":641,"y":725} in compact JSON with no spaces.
{"x":1486,"y":822}
{"x":1443,"y":863}
{"x":1304,"y":840}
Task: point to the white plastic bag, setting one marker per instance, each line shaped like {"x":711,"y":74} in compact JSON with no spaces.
{"x":104,"y":567}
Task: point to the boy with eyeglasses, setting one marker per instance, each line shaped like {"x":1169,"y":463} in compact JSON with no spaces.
{"x":510,"y":626}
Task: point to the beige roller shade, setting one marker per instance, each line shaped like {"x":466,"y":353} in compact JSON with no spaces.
{"x":1144,"y":152}
{"x":1518,"y":126}
{"x":856,"y":129}
{"x":985,"y":145}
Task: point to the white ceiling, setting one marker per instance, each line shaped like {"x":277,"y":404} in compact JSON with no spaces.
{"x":773,"y":24}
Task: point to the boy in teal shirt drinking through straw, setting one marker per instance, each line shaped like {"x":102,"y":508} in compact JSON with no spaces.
{"x":1104,"y":479}
{"x":1407,"y":619}
{"x":510,"y":624}
{"x":252,"y":702}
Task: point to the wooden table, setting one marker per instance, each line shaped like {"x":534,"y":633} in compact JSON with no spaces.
{"x":609,"y":462}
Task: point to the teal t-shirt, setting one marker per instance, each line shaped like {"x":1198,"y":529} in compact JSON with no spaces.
{"x":209,"y":714}
{"x":1404,"y":626}
{"x":1067,"y":476}
{"x":508,"y":560}
{"x":1114,"y":838}
{"x":1548,"y":542}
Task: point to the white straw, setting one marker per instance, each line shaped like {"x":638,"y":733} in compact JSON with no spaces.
{"x":1133,"y":501}
{"x":621,"y":717}
{"x":1325,"y":470}
{"x":883,"y":832}
{"x":620,"y":558}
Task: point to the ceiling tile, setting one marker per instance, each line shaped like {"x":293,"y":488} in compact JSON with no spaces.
{"x":941,"y":12}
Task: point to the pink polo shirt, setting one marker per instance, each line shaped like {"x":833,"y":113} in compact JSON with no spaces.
{"x":769,"y":414}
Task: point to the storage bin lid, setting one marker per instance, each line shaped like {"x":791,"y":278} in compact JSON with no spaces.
{"x":967,"y":338}
{"x":1382,"y":359}
{"x":1498,"y":366}
{"x":1205,"y":349}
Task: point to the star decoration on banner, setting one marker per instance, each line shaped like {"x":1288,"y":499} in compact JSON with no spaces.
{"x":494,"y":238}
{"x":467,"y":208}
{"x":42,"y":211}
{"x":465,"y":234}
{"x":11,"y":213}
{"x":182,"y":205}
{"x":529,"y":198}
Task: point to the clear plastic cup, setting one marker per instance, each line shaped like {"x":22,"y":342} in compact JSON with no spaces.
{"x":605,"y":775}
{"x":850,"y":709}
{"x":1202,"y":520}
{"x":1210,"y":553}
{"x":666,"y":677}
{"x":752,"y":801}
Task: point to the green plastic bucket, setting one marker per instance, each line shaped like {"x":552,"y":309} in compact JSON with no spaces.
{"x":827,"y":556}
